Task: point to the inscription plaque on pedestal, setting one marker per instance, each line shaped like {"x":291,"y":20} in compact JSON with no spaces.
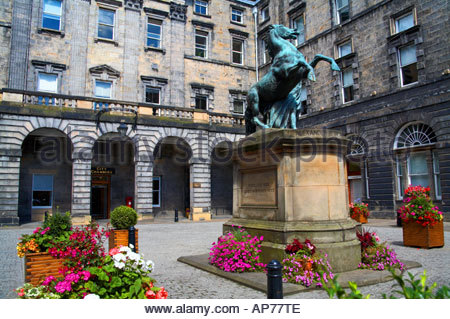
{"x":259,"y":187}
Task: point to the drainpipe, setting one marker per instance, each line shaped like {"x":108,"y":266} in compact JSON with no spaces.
{"x":255,"y":17}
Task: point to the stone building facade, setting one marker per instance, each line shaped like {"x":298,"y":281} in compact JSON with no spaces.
{"x":392,"y":96}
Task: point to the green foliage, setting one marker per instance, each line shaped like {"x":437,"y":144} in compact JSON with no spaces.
{"x":58,"y":223}
{"x":333,"y":288}
{"x":417,"y":288}
{"x":123,"y":217}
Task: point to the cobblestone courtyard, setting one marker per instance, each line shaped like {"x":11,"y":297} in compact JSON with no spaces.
{"x":165,"y":242}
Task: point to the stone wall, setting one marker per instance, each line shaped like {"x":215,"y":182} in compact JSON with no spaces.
{"x":5,"y":39}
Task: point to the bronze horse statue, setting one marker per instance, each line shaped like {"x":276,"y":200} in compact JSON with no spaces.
{"x":277,"y":95}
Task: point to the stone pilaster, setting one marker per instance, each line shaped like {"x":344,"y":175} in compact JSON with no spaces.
{"x":81,"y":191}
{"x":9,"y":187}
{"x":200,"y":191}
{"x":131,"y":51}
{"x":144,"y":189}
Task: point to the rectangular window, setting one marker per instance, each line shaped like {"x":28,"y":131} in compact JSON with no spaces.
{"x":299,"y":25}
{"x":366,"y":178}
{"x":51,"y":15}
{"x":106,"y":23}
{"x":345,"y":49}
{"x":156,"y":198}
{"x":264,"y":14}
{"x":237,"y":51}
{"x":437,"y":177}
{"x":201,"y":7}
{"x":264,"y":49}
{"x":201,"y":44}
{"x":47,"y":82}
{"x":400,"y":179}
{"x":237,"y":15}
{"x":201,"y":102}
{"x":404,"y":22}
{"x":347,"y":85}
{"x":408,"y":65}
{"x":154,"y":33}
{"x":152,"y":95}
{"x":418,"y":170}
{"x":343,"y":10}
{"x":42,"y":191}
{"x":238,"y":106}
{"x":103,"y":89}
{"x":303,"y":99}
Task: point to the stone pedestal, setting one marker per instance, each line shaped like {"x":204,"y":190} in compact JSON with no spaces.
{"x":292,"y":184}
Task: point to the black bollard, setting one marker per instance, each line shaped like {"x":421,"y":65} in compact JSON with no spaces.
{"x":132,"y":238}
{"x":274,"y":280}
{"x":176,"y":215}
{"x":399,"y":220}
{"x":45,"y":216}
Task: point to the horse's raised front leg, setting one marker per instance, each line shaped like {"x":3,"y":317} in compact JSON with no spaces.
{"x":320,"y":57}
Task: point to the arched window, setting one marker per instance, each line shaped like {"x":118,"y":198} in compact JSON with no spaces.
{"x":416,"y":161}
{"x":358,"y":146}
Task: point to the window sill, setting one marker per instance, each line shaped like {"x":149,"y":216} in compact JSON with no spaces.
{"x":345,"y":57}
{"x":407,"y":31}
{"x":237,"y":23}
{"x":160,"y":50}
{"x":407,"y":86}
{"x":52,"y":32}
{"x":96,"y":40}
{"x":202,"y":15}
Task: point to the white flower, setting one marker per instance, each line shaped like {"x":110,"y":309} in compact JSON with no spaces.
{"x":134,"y":256}
{"x":119,"y":265}
{"x":91,"y":296}
{"x":131,"y":246}
{"x":150,"y":264}
{"x":125,"y":249}
{"x":119,"y":257}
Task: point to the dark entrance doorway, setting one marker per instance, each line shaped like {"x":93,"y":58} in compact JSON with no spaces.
{"x":100,"y":197}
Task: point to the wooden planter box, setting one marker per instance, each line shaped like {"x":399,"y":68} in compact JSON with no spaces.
{"x":416,"y":235}
{"x":119,"y":237}
{"x":361,"y":219}
{"x":38,"y":266}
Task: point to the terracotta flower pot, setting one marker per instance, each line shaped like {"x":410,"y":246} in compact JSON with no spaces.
{"x":416,"y":235}
{"x":38,"y":266}
{"x":119,"y":237}
{"x":360,"y":219}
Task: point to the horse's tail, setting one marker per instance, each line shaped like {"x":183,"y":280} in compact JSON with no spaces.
{"x":250,"y":127}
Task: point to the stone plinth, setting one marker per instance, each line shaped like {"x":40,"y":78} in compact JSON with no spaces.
{"x":293,"y":184}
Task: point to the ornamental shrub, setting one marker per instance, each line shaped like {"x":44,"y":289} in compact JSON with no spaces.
{"x":123,"y":217}
{"x":58,"y":223}
{"x":359,"y":208}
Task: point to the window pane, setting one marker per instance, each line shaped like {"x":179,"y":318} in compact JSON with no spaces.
{"x":201,"y":6}
{"x":155,"y":29}
{"x":299,"y":25}
{"x":105,"y":31}
{"x":421,"y":180}
{"x":409,"y":74}
{"x":408,"y":55}
{"x":152,"y":95}
{"x":155,"y":184}
{"x":43,"y":182}
{"x":303,"y":94}
{"x":201,"y":102}
{"x":438,"y":186}
{"x":50,"y":22}
{"x":405,"y":22}
{"x":103,"y":89}
{"x":106,"y":16}
{"x":418,"y":164}
{"x":342,"y":3}
{"x":238,"y":107}
{"x":347,"y":77}
{"x":348,"y":94}
{"x":42,"y":198}
{"x":345,"y":49}
{"x":236,"y":15}
{"x":48,"y":82}
{"x":200,"y":40}
{"x":52,"y":7}
{"x":237,"y":45}
{"x":237,"y":58}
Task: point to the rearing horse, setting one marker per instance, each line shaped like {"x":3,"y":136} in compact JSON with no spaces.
{"x":277,"y":95}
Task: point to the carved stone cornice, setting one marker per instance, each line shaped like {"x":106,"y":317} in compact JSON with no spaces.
{"x":133,"y":4}
{"x":178,"y":11}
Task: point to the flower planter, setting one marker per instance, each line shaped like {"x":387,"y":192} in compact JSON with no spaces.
{"x":41,"y":265}
{"x":119,"y":237}
{"x":361,"y":219}
{"x":416,"y":235}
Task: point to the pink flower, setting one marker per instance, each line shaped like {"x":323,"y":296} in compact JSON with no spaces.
{"x":114,"y":251}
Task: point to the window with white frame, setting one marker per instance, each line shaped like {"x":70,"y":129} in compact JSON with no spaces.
{"x":417,"y":164}
{"x":152,"y":95}
{"x":51,"y":14}
{"x":264,"y":14}
{"x":47,"y":82}
{"x":344,"y":49}
{"x":237,"y":51}
{"x":201,"y":43}
{"x":201,"y":7}
{"x":298,"y":24}
{"x":408,"y":65}
{"x":356,"y":164}
{"x":404,"y":22}
{"x":156,"y":198}
{"x":264,"y":52}
{"x":106,"y":19}
{"x":342,"y":10}
{"x":103,"y":89}
{"x":237,"y":15}
{"x":42,"y":190}
{"x":347,"y":85}
{"x":154,"y":33}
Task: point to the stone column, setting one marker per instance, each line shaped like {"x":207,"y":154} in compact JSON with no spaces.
{"x":9,"y":187}
{"x":81,"y":191}
{"x":131,"y":51}
{"x":200,"y":191}
{"x":144,"y":189}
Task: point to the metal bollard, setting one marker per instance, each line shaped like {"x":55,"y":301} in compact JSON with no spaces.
{"x":176,"y":215}
{"x":45,"y":216}
{"x":274,"y":280}
{"x":399,"y":220}
{"x":132,"y":238}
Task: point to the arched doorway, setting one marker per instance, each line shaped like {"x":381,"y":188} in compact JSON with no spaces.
{"x":222,"y":179}
{"x":112,"y":174}
{"x":45,"y":183}
{"x":171,"y":177}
